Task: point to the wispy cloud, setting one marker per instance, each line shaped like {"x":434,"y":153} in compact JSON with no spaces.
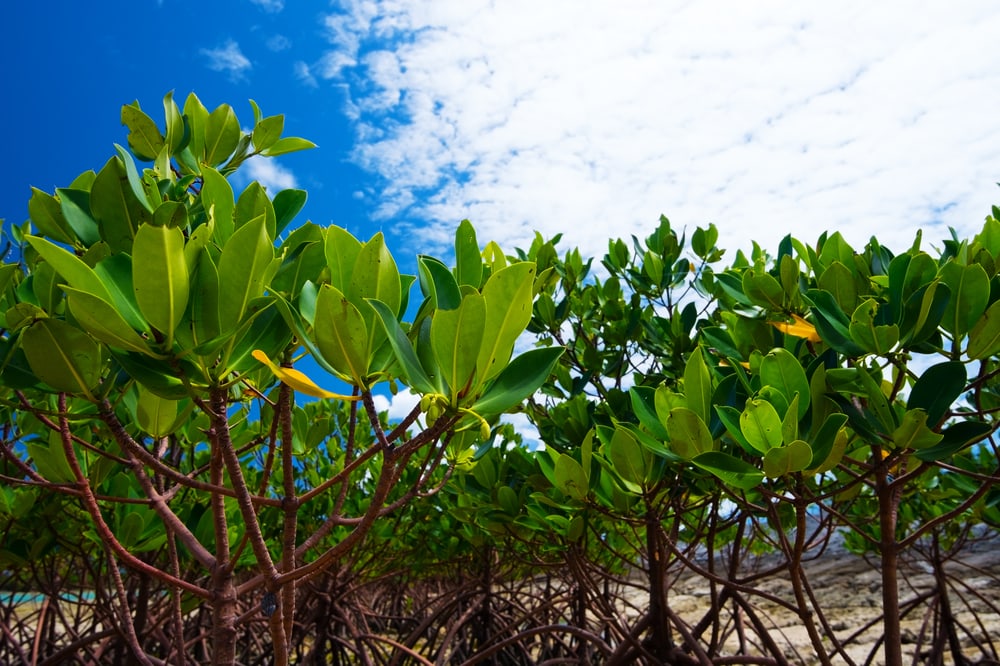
{"x":278,"y":43}
{"x":764,"y":119}
{"x":304,"y":74}
{"x":272,"y":6}
{"x":270,"y":174}
{"x":228,"y":58}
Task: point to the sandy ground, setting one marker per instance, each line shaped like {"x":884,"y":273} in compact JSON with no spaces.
{"x":850,"y":594}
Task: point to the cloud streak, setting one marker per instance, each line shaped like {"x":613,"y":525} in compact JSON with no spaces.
{"x":764,"y":119}
{"x":228,"y":58}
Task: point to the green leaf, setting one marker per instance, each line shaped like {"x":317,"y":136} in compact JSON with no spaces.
{"x":689,"y":436}
{"x":289,"y":144}
{"x":937,"y":389}
{"x":205,"y":292}
{"x":761,"y":425}
{"x":955,"y":438}
{"x":62,"y":356}
{"x":822,"y":443}
{"x":873,"y":338}
{"x":287,"y":204}
{"x":102,"y":320}
{"x":782,"y":460}
{"x":252,"y":205}
{"x":47,"y":216}
{"x":984,"y":338}
{"x":342,"y":250}
{"x":243,"y":265}
{"x":76,"y":211}
{"x":115,"y":273}
{"x":78,"y":274}
{"x":629,"y":461}
{"x":341,"y":335}
{"x":698,"y":385}
{"x":832,"y":324}
{"x":468,"y":258}
{"x":156,"y":415}
{"x":267,"y":132}
{"x":780,"y":369}
{"x":144,"y":138}
{"x":913,"y":432}
{"x":413,"y":372}
{"x":838,"y":280}
{"x":763,"y":290}
{"x":160,"y":277}
{"x":456,"y":336}
{"x":508,"y":294}
{"x":571,"y":478}
{"x":176,"y":135}
{"x":970,"y":294}
{"x":217,"y":198}
{"x":222,"y":134}
{"x":115,"y":207}
{"x":438,"y":284}
{"x":134,"y":180}
{"x":644,"y":407}
{"x":731,"y":471}
{"x":518,"y":380}
{"x":374,"y":276}
{"x":51,"y":462}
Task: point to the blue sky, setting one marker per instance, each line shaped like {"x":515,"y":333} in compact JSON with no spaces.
{"x":563,"y":116}
{"x":587,"y":118}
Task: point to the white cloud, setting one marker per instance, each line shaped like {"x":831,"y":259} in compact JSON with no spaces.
{"x":764,"y":118}
{"x":228,"y":58}
{"x":304,"y":74}
{"x":278,"y":43}
{"x":269,"y":173}
{"x":272,"y":6}
{"x":398,"y":405}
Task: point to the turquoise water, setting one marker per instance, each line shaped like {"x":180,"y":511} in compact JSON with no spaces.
{"x":8,"y":598}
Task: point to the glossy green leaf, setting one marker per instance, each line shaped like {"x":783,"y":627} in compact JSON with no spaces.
{"x":832,"y":324}
{"x":205,"y":293}
{"x":78,"y":274}
{"x":76,"y":211}
{"x":243,"y":267}
{"x":914,"y":433}
{"x":115,"y":207}
{"x":955,"y":438}
{"x":157,"y":416}
{"x":115,"y":272}
{"x":253,"y":204}
{"x":519,"y":379}
{"x":287,"y":204}
{"x":374,"y":276}
{"x":456,"y":336}
{"x":267,"y":132}
{"x":571,"y":478}
{"x":629,"y":460}
{"x":222,"y":134}
{"x":763,"y":290}
{"x":47,"y":216}
{"x":160,"y":277}
{"x":782,"y":460}
{"x":838,"y":280}
{"x":937,"y":389}
{"x":468,"y":257}
{"x":438,"y":284}
{"x":217,"y":198}
{"x":984,"y":338}
{"x":176,"y":135}
{"x":644,"y":407}
{"x":342,"y":251}
{"x":780,"y":369}
{"x":341,"y":335}
{"x":103,"y":322}
{"x":135,"y":181}
{"x":689,"y":436}
{"x":508,"y":294}
{"x":970,"y":294}
{"x":144,"y":138}
{"x":872,"y":337}
{"x":62,"y":356}
{"x":761,"y":425}
{"x":289,"y":144}
{"x":50,"y":461}
{"x":412,"y":370}
{"x":698,"y":385}
{"x":731,"y":471}
{"x":823,"y":442}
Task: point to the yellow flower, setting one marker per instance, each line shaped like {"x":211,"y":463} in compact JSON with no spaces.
{"x":800,"y":329}
{"x":298,"y":380}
